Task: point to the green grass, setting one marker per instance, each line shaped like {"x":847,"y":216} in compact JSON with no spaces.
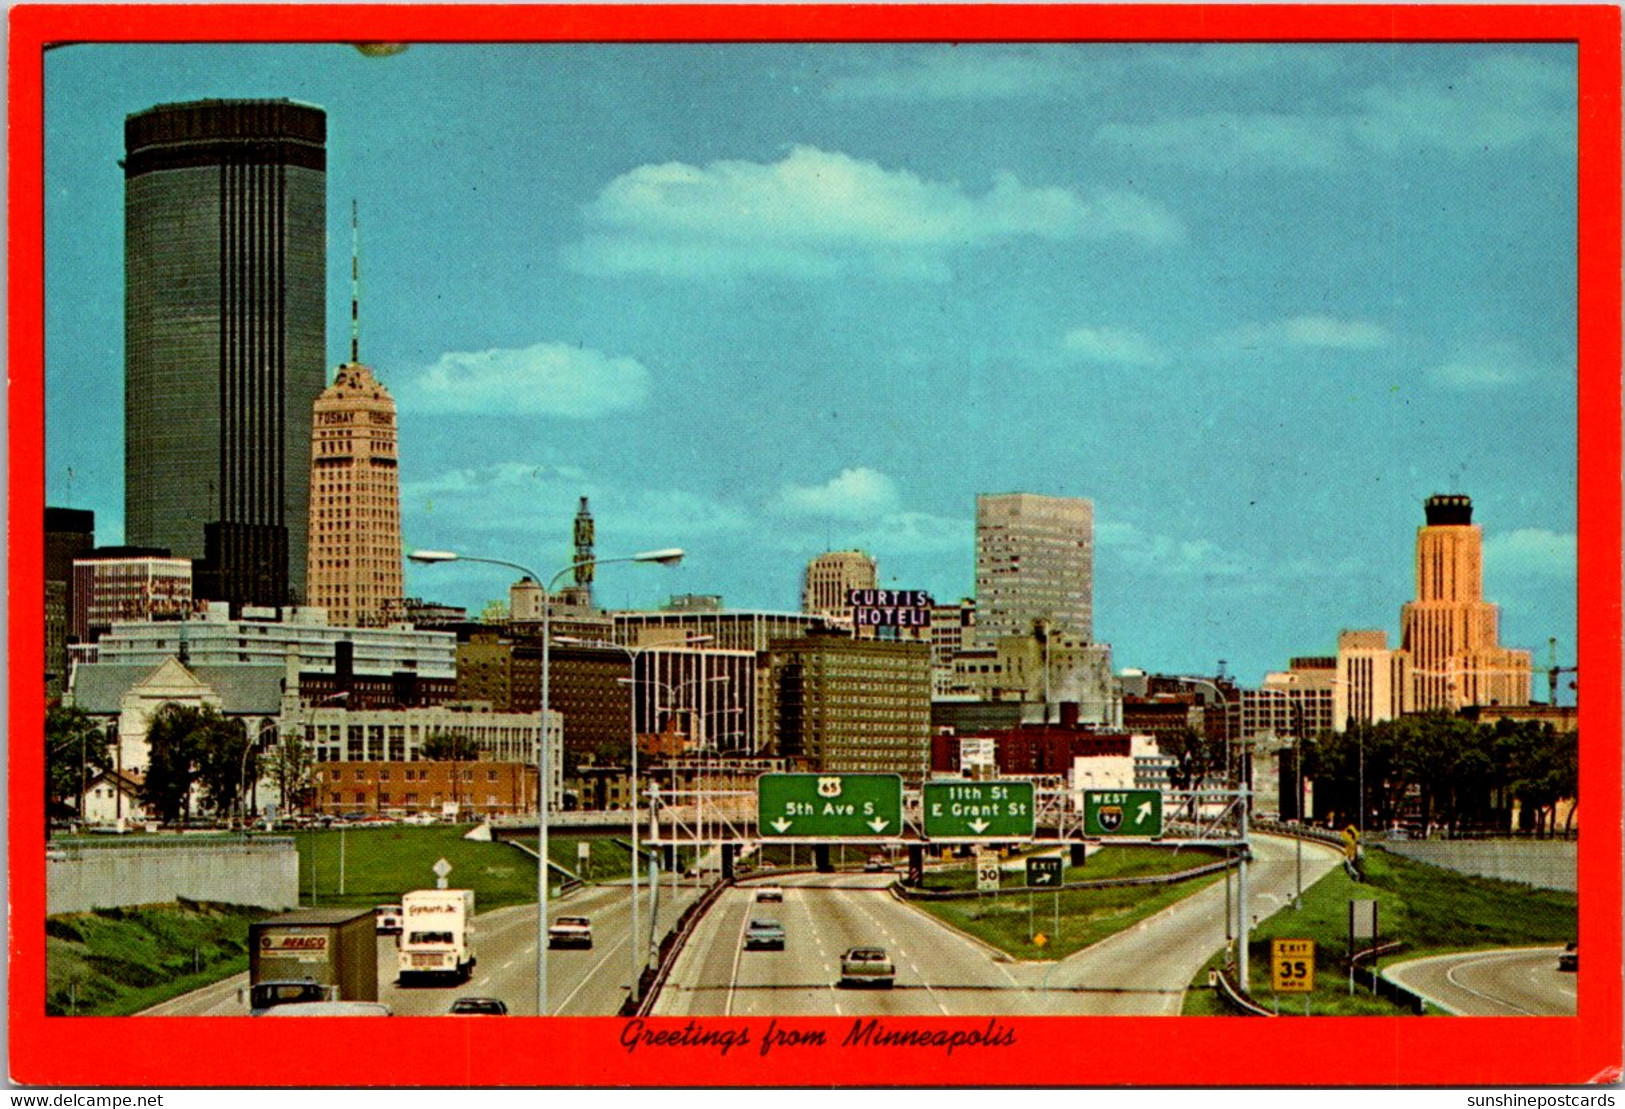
{"x":1110,"y":862}
{"x":1086,"y":916}
{"x":113,"y":962}
{"x":381,"y":863}
{"x":1435,"y":911}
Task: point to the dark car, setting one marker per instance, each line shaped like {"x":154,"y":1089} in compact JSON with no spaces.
{"x":1570,"y":957}
{"x":479,"y":1007}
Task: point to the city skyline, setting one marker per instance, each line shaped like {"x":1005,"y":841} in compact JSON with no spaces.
{"x":811,"y":375}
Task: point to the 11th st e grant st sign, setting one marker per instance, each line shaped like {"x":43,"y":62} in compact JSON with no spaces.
{"x":974,"y":810}
{"x":833,"y":806}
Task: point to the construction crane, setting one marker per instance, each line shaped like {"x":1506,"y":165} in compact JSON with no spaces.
{"x":1553,"y":670}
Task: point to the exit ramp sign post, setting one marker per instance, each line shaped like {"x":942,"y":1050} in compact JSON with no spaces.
{"x":829,"y":806}
{"x":978,"y":810}
{"x":1122,"y":812}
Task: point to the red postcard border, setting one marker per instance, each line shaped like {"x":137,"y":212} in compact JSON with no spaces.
{"x":1047,"y":1051}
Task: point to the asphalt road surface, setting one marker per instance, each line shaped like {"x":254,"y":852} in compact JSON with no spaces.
{"x":1143,"y":970}
{"x":1517,"y":982}
{"x":580,"y":982}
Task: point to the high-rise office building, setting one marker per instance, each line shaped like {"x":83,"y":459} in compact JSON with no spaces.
{"x":225,"y":328}
{"x":1034,"y":565}
{"x":69,"y":533}
{"x":828,"y":577}
{"x":355,"y":501}
{"x":1373,"y":680}
{"x":1450,"y":632}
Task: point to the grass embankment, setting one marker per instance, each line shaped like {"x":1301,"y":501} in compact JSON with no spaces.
{"x":1435,"y":911}
{"x":381,"y":863}
{"x":1086,"y":916}
{"x":113,"y":962}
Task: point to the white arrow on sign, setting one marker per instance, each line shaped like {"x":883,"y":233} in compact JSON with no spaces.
{"x":878,"y":824}
{"x":1144,"y":813}
{"x":977,"y":826}
{"x":781,"y":825}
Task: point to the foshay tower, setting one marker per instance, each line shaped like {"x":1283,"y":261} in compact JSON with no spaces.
{"x":1450,"y":631}
{"x":355,"y":497}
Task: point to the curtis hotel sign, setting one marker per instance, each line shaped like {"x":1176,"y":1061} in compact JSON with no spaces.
{"x":890,"y":608}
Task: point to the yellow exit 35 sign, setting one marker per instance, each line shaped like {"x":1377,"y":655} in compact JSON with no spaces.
{"x":1292,"y":966}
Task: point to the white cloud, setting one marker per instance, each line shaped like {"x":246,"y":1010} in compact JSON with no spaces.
{"x":1493,"y":103}
{"x":1532,"y":551}
{"x":1165,"y":556}
{"x":548,"y":379}
{"x":1311,"y":332}
{"x":1486,"y":366}
{"x":1113,"y":346}
{"x":957,"y":74}
{"x":852,"y":494}
{"x":821,"y":214}
{"x":537,"y":502}
{"x":1497,"y":102}
{"x":1228,"y":140}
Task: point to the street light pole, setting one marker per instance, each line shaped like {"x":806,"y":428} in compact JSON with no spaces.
{"x":666,"y":557}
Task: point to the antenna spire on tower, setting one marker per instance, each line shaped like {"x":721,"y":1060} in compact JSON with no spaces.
{"x":355,"y":286}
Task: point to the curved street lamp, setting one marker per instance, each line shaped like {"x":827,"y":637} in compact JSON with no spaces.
{"x":666,"y":556}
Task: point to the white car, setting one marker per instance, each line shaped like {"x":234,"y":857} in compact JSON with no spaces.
{"x":770,"y":893}
{"x":570,"y":931}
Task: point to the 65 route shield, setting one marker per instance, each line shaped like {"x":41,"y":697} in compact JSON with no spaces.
{"x":829,"y":806}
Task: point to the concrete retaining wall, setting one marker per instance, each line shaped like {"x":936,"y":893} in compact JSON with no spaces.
{"x":1549,"y":864}
{"x":258,"y":872}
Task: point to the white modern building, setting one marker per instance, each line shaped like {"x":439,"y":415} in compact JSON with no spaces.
{"x":1035,"y":559}
{"x":264,"y":636}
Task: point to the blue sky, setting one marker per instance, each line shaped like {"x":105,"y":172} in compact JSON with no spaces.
{"x":1256,"y":301}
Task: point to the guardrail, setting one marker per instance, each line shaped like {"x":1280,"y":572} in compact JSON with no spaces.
{"x":654,"y":977}
{"x":1384,"y":987}
{"x":1232,"y":995}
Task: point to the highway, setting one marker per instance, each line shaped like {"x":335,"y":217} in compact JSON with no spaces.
{"x":1516,"y":982}
{"x":581,"y":982}
{"x":1142,"y":971}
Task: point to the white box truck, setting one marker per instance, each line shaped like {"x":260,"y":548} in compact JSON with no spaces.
{"x":437,"y":935}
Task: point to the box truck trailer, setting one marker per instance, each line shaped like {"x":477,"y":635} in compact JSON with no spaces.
{"x":437,"y":939}
{"x":311,"y":955}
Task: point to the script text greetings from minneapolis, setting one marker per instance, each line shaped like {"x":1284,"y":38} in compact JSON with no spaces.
{"x":870,"y":1033}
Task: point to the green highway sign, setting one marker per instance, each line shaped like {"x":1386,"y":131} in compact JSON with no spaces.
{"x":969,"y":810}
{"x":829,"y":806}
{"x":1045,"y":871}
{"x":1122,"y":812}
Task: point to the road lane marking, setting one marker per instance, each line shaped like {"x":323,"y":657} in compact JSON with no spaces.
{"x":739,"y":949}
{"x":1450,"y":976}
{"x":588,"y":977}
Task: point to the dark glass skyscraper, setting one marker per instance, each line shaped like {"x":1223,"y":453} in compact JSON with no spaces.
{"x":224,"y":331}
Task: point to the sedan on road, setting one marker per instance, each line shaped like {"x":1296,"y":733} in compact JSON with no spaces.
{"x":1570,"y":957}
{"x":479,"y":1007}
{"x":570,"y":931}
{"x":867,"y":966}
{"x":763,"y":934}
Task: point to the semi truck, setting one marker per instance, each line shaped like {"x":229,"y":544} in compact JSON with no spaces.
{"x":437,"y":940}
{"x":311,"y":955}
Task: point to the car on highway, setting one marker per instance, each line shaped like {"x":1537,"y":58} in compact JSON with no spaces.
{"x":1570,"y":957}
{"x":867,"y":966}
{"x":877,"y":864}
{"x":387,"y":920}
{"x":570,"y":931}
{"x":479,"y":1007}
{"x":770,"y":893}
{"x":763,"y":934}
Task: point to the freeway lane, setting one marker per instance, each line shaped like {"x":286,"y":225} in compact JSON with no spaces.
{"x":581,"y":982}
{"x":1142,"y":971}
{"x":939,"y":972}
{"x":1519,"y":982}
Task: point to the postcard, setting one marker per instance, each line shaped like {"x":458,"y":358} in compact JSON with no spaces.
{"x":802,"y":546}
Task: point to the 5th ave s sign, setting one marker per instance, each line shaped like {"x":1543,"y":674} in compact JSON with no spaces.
{"x":829,"y":806}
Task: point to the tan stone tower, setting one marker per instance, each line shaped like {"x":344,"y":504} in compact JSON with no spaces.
{"x":355,"y":495}
{"x":1450,"y":632}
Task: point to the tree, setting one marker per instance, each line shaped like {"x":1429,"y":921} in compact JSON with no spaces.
{"x":449,"y":747}
{"x":291,"y":764}
{"x":75,"y":747}
{"x":192,"y":745}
